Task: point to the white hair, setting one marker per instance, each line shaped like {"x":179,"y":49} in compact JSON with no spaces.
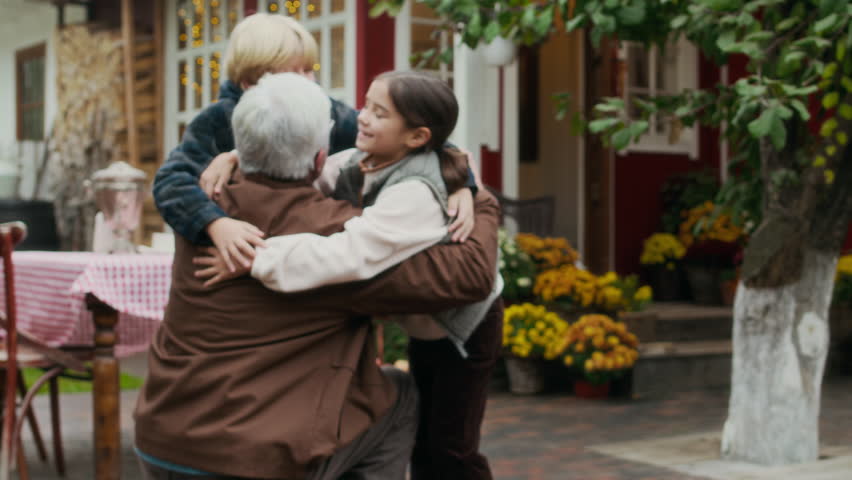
{"x":280,"y":125}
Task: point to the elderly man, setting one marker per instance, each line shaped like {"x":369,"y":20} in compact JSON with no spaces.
{"x":247,"y":383}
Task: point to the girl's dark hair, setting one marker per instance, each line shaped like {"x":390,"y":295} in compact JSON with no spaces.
{"x":426,"y":101}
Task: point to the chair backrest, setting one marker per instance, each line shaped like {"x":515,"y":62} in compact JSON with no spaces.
{"x":533,"y":215}
{"x":11,"y":234}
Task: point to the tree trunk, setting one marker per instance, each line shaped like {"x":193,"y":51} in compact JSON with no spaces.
{"x":780,"y":342}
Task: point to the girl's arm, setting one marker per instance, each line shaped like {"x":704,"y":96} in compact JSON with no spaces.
{"x":405,"y":219}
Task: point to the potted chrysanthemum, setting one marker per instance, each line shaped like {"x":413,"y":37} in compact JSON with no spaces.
{"x":531,"y":335}
{"x":602,"y":350}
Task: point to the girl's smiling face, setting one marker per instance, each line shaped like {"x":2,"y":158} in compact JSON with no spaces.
{"x":382,"y":131}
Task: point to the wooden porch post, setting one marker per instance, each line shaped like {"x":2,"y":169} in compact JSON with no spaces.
{"x":128,"y":39}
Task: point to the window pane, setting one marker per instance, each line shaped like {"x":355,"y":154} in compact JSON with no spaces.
{"x":318,"y":37}
{"x":183,"y":71}
{"x":667,"y":70}
{"x":184,"y":23}
{"x":233,"y":16}
{"x":216,"y":22}
{"x":197,"y":80}
{"x":197,"y":25}
{"x":314,"y":8}
{"x":637,"y":66}
{"x":33,"y":80}
{"x":294,"y":8}
{"x":214,"y":76}
{"x":338,"y":5}
{"x":662,"y":124}
{"x":181,"y":129}
{"x":33,"y":123}
{"x":338,"y":50}
{"x":633,"y":110}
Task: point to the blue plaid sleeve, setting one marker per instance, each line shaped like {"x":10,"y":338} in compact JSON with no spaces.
{"x":177,"y":194}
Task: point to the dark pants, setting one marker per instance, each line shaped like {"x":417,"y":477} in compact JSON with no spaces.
{"x":453,"y":391}
{"x":380,"y":453}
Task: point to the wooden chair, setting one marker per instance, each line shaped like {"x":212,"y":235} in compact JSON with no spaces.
{"x":24,"y":350}
{"x":534,"y":215}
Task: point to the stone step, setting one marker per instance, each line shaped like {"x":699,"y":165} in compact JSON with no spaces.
{"x":665,"y":367}
{"x":680,"y":322}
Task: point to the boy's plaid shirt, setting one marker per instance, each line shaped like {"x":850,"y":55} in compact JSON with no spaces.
{"x":177,"y":194}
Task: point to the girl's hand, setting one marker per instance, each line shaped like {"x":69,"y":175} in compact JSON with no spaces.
{"x":235,"y":240}
{"x":218,"y":173}
{"x":211,"y":266}
{"x":460,"y":206}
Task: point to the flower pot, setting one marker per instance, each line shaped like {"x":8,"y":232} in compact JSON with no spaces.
{"x":704,"y":283}
{"x":585,"y":389}
{"x":729,"y":291}
{"x":668,"y":284}
{"x":526,"y":375}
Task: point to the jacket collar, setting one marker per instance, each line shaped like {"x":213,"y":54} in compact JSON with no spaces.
{"x":230,"y":91}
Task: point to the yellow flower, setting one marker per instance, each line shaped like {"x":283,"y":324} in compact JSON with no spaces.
{"x":661,"y":248}
{"x":532,"y":330}
{"x":844,"y":266}
{"x":548,"y":253}
{"x":568,"y":360}
{"x":643,"y":294}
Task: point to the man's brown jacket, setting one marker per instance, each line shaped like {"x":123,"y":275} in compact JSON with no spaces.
{"x":247,"y":382}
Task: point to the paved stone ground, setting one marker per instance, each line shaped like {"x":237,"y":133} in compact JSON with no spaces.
{"x":541,"y":437}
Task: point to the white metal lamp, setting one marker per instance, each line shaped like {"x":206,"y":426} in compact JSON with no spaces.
{"x":499,"y":52}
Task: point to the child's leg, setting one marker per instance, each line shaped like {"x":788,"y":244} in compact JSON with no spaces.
{"x":453,"y":392}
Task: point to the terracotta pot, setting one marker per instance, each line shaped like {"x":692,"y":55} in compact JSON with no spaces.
{"x":586,"y":389}
{"x":729,"y":291}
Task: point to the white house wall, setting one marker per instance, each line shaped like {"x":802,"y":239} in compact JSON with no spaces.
{"x":28,"y":24}
{"x":558,"y":170}
{"x":477,"y":90}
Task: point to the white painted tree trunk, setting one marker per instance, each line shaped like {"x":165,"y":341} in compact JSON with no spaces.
{"x":780,"y":342}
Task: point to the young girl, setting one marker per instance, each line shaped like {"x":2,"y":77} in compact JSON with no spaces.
{"x":402,"y":173}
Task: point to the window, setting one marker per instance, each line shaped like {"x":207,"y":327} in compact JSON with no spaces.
{"x":29,"y":68}
{"x":654,"y":72}
{"x":197,"y":34}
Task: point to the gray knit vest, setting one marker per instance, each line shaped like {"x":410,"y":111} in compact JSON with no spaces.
{"x":460,"y":322}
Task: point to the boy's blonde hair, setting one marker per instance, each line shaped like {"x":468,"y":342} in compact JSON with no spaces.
{"x":263,"y":43}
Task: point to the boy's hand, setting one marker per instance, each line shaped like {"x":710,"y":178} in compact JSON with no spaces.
{"x":218,"y":173}
{"x":211,"y":266}
{"x":460,"y":206}
{"x":235,"y":240}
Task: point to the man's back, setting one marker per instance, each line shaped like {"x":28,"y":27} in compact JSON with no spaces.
{"x":238,"y":371}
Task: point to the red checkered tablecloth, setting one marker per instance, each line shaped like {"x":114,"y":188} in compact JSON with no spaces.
{"x":51,"y":288}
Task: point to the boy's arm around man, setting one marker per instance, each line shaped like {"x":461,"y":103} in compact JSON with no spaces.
{"x":177,"y":194}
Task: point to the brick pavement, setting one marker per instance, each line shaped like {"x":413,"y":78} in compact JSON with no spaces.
{"x":531,"y":438}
